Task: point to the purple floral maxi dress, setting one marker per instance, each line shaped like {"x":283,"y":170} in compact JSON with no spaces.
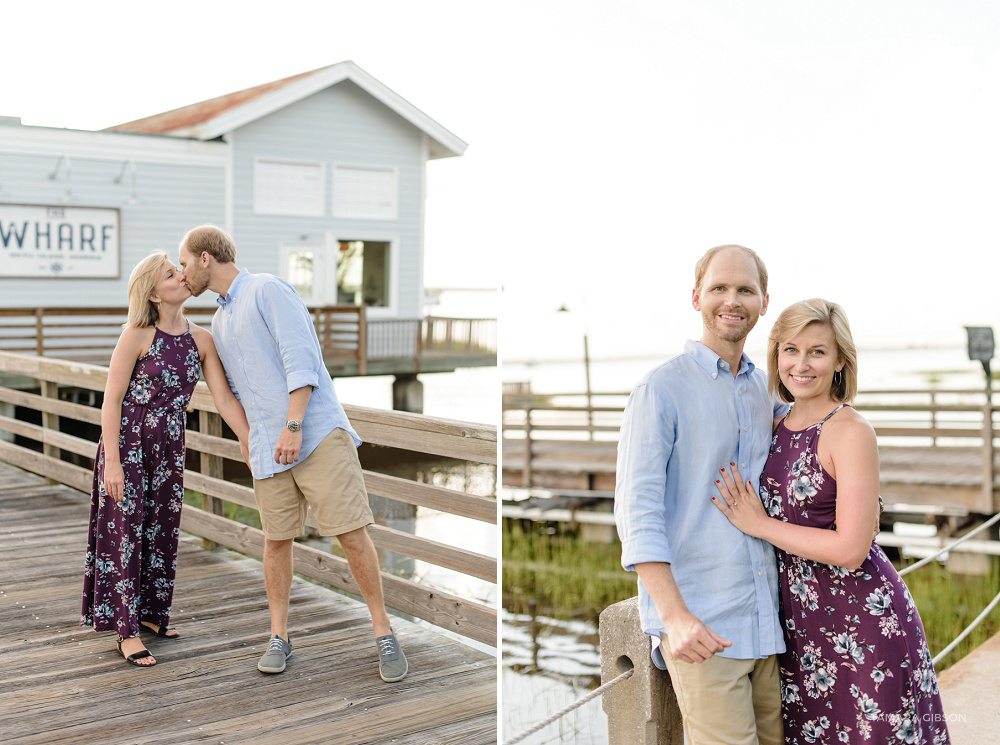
{"x":857,"y":668}
{"x":132,"y":551}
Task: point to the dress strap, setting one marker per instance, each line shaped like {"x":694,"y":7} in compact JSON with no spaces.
{"x":832,"y":413}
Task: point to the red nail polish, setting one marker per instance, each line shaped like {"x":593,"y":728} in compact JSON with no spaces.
{"x":732,"y":464}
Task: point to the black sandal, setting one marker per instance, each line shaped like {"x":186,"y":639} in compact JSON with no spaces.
{"x":160,"y":631}
{"x":131,"y":659}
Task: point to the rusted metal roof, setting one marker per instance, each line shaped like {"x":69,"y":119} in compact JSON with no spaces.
{"x":196,"y":113}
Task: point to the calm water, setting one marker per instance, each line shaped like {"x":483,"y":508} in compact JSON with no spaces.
{"x":548,"y":663}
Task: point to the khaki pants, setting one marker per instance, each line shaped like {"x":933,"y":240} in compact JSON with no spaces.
{"x":727,"y":702}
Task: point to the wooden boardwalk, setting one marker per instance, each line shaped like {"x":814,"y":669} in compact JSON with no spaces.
{"x":67,"y":684}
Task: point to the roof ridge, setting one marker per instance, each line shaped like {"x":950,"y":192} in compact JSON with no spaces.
{"x":184,"y":116}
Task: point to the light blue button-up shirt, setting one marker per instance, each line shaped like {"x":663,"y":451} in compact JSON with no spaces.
{"x":268,"y":345}
{"x":684,"y":421}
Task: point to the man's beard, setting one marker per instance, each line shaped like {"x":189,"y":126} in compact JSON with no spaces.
{"x":732,"y":334}
{"x":196,"y":286}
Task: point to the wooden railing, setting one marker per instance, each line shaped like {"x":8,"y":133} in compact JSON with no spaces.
{"x":470,"y":442}
{"x":558,"y":431}
{"x":89,"y":334}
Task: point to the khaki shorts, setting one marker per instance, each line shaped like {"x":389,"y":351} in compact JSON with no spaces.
{"x":329,"y":481}
{"x":725,"y":701}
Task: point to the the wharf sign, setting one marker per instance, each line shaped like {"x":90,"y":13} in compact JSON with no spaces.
{"x":71,"y":242}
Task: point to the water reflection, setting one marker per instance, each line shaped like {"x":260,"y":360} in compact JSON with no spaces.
{"x":549,"y":663}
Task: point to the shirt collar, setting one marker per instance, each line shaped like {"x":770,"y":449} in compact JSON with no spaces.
{"x":224,"y":300}
{"x":711,"y":363}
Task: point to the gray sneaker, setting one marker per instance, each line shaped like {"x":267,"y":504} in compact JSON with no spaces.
{"x":274,"y":658}
{"x":392,"y":664}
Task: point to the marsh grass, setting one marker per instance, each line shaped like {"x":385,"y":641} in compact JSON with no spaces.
{"x":950,"y":602}
{"x":557,"y":575}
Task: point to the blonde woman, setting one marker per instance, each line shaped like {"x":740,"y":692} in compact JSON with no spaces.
{"x":138,"y":473}
{"x":857,"y":668}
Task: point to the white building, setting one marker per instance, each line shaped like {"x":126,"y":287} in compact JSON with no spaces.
{"x":319,"y":177}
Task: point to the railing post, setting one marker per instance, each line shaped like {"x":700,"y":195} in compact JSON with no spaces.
{"x":211,"y":465}
{"x":50,"y":422}
{"x":39,"y":329}
{"x":643,"y":709}
{"x":933,"y":418}
{"x":527,"y":476}
{"x":420,"y":344}
{"x":362,"y":339}
{"x":990,"y":500}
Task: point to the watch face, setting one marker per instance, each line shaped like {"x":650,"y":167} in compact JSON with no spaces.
{"x":292,"y":425}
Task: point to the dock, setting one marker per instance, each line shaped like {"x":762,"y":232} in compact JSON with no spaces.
{"x":65,"y":684}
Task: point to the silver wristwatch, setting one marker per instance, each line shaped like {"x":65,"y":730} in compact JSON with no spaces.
{"x":293,"y":426}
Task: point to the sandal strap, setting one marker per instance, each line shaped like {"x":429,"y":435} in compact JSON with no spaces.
{"x":161,"y":630}
{"x":139,"y":655}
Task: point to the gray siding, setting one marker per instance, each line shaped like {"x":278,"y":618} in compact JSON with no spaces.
{"x":339,"y":125}
{"x":171,"y":199}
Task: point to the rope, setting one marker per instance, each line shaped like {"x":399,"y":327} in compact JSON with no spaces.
{"x":950,"y":546}
{"x":968,"y":630}
{"x":923,"y":562}
{"x":575,"y":705}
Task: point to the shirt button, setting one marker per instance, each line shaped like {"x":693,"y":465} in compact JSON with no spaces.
{"x":759,"y":573}
{"x":741,"y":391}
{"x":743,"y":465}
{"x":746,"y":429}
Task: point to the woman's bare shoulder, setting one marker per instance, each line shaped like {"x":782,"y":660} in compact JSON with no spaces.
{"x":847,"y":425}
{"x":137,"y":338}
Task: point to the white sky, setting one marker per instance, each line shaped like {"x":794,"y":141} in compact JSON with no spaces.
{"x":853,"y":144}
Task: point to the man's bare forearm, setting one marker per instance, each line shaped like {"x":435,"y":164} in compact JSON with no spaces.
{"x":662,"y":589}
{"x":298,"y":401}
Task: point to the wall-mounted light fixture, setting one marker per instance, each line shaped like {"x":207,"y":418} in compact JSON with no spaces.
{"x":129,"y":166}
{"x":69,"y":173}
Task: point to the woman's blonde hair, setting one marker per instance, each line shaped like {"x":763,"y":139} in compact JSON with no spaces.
{"x":794,"y":319}
{"x":142,"y":311}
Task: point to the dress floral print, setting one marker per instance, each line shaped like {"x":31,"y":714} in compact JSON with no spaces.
{"x":857,"y":668}
{"x":132,"y":549}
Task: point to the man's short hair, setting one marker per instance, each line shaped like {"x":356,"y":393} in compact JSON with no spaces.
{"x":212,"y":240}
{"x":702,"y":266}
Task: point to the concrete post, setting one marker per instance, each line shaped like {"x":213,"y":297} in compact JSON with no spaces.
{"x":408,"y":394}
{"x":643,"y":709}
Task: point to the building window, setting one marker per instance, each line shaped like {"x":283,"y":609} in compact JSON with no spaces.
{"x":363,"y":273}
{"x":288,"y":188}
{"x":368,"y":193}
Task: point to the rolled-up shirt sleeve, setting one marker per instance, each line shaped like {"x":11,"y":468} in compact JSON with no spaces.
{"x":647,"y":439}
{"x":289,"y":323}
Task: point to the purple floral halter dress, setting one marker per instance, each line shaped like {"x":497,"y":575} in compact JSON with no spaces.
{"x":132,"y":550}
{"x":857,"y":668}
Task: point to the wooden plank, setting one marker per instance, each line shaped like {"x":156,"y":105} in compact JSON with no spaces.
{"x":50,"y":406}
{"x":64,"y":684}
{"x":61,"y":440}
{"x":465,"y":617}
{"x":438,"y":498}
{"x":433,"y":552}
{"x":439,"y":554}
{"x":43,"y":465}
